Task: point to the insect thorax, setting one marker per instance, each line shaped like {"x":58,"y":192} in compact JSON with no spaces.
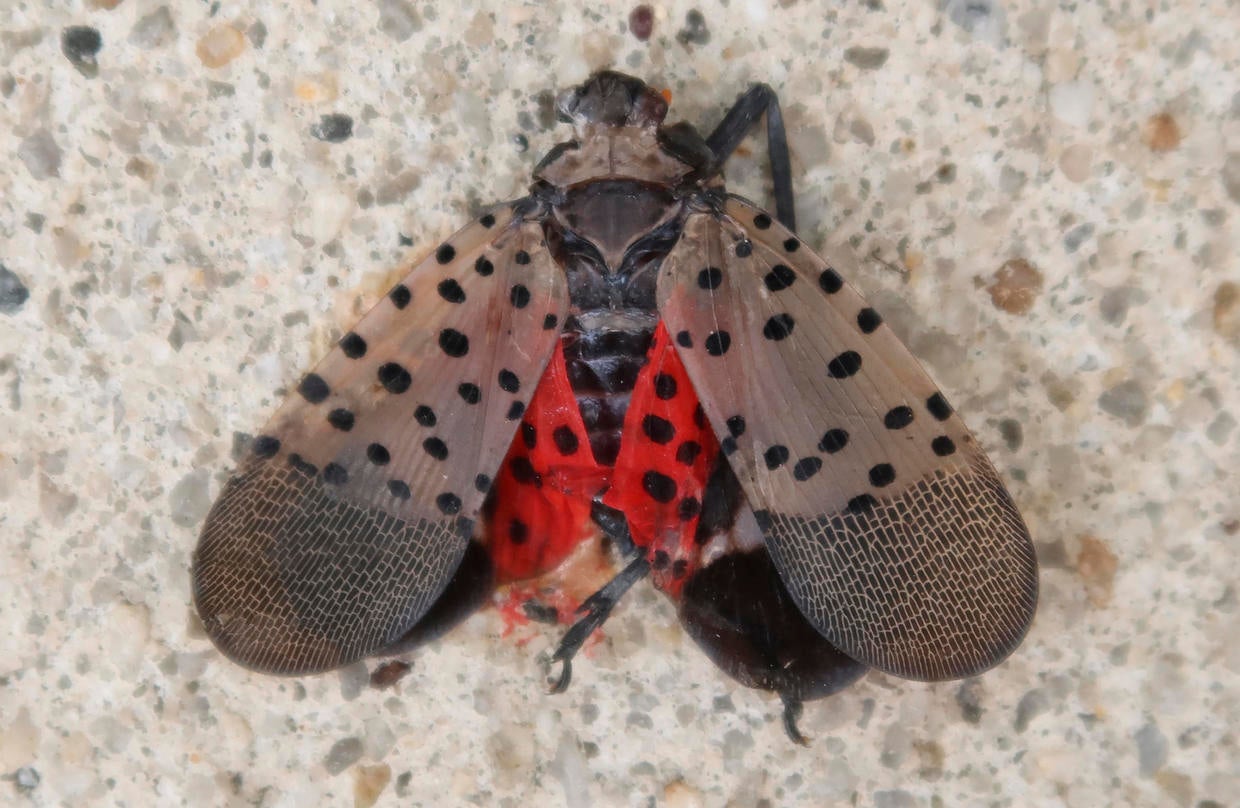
{"x":610,"y":237}
{"x":616,"y":199}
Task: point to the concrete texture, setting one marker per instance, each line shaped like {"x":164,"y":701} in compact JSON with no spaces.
{"x":199,"y":197}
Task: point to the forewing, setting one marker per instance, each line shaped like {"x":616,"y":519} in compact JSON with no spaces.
{"x":355,"y":505}
{"x":886,"y":520}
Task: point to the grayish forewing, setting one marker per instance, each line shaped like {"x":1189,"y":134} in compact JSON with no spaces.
{"x":886,"y":520}
{"x":348,"y":518}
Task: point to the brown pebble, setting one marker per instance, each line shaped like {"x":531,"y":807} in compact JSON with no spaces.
{"x":368,"y":784}
{"x":641,"y":22}
{"x":1227,"y":310}
{"x":1161,"y":132}
{"x":1016,"y":286}
{"x":220,"y":45}
{"x":389,"y":673}
{"x":1096,"y":565}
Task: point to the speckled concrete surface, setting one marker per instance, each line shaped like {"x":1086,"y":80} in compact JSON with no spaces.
{"x":199,"y":197}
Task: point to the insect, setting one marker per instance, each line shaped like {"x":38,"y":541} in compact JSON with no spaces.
{"x":629,"y":355}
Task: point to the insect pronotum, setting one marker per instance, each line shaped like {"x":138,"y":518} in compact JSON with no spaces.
{"x":630,"y":355}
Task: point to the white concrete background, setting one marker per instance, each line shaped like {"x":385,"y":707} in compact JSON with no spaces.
{"x":189,"y":248}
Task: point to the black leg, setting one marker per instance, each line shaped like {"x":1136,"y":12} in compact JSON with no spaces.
{"x":614,"y":526}
{"x":596,"y":609}
{"x":792,"y":712}
{"x":735,"y":126}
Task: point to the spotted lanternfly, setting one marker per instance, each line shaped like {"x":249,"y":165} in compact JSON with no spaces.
{"x":628,"y":355}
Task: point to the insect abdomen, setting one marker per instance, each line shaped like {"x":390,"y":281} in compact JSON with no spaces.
{"x":603,"y":365}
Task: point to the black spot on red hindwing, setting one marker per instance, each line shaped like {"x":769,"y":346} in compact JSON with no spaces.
{"x":688,"y":452}
{"x":688,"y":509}
{"x":518,"y":531}
{"x":659,"y":430}
{"x":529,"y":435}
{"x":665,"y":386}
{"x":523,"y":471}
{"x":565,"y":440}
{"x":659,"y":486}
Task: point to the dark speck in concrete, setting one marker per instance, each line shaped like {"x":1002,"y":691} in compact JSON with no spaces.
{"x":866,"y":58}
{"x":1031,"y":705}
{"x":969,"y":699}
{"x":13,"y":293}
{"x":1077,"y":236}
{"x":1012,"y":434}
{"x":81,"y":44}
{"x":1151,"y":749}
{"x":334,"y":127}
{"x":398,"y":19}
{"x":695,"y":31}
{"x":343,"y":754}
{"x":1126,"y":400}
